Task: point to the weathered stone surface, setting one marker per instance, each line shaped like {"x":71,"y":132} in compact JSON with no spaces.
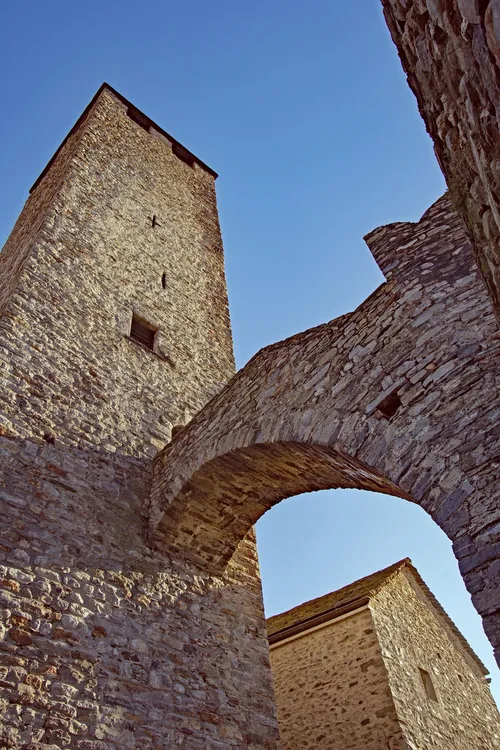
{"x":90,"y":257}
{"x":107,"y":641}
{"x":450,"y":52}
{"x":104,"y":643}
{"x":332,"y":691}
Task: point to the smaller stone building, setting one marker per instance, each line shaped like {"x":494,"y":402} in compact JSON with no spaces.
{"x":379,"y":665}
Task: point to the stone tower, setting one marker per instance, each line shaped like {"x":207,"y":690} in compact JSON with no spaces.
{"x":130,"y":601}
{"x":114,"y":327}
{"x":121,"y":226}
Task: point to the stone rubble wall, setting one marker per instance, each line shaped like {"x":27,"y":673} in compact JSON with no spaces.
{"x":104,"y":644}
{"x":412,"y":637}
{"x":450,"y":51}
{"x":305,"y":414}
{"x":332,"y":691}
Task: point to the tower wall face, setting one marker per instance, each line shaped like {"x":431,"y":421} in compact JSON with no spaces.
{"x":103,"y":642}
{"x":94,"y":259}
{"x":412,"y":637}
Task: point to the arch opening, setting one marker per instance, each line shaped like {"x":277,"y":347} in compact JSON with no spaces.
{"x":312,"y":553}
{"x":398,"y":397}
{"x":224,"y":499}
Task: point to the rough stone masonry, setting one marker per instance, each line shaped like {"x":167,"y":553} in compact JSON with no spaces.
{"x":106,"y":643}
{"x":379,"y":664}
{"x":450,"y":51}
{"x":131,"y":609}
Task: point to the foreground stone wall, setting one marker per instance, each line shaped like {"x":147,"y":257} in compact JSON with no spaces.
{"x":450,"y":51}
{"x":106,"y":644}
{"x":413,"y":636}
{"x":332,"y":691}
{"x":400,"y":397}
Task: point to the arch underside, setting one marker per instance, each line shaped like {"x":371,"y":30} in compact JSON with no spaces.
{"x":222,"y":501}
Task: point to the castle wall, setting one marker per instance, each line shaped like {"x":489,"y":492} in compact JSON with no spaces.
{"x":450,"y":51}
{"x":412,"y":637}
{"x":104,"y":644}
{"x":332,"y":691}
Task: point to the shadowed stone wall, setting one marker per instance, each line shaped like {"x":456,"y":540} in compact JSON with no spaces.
{"x":450,"y":51}
{"x":105,"y":643}
{"x":400,"y":396}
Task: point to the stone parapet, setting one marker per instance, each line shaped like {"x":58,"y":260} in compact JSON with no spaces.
{"x":450,"y":51}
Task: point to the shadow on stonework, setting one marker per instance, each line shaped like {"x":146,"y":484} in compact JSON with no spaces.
{"x":103,"y":640}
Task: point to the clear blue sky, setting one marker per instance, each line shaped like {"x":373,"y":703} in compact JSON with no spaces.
{"x":304,"y":111}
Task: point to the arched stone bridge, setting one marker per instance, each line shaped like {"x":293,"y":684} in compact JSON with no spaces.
{"x":400,"y":397}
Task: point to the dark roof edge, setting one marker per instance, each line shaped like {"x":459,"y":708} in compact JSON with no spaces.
{"x":387,"y":575}
{"x":315,"y":620}
{"x":127,"y":103}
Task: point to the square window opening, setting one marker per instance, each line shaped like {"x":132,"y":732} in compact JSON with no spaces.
{"x":142,"y":332}
{"x":428,"y":685}
{"x":389,"y":405}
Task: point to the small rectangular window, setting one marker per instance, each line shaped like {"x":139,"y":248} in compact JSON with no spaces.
{"x":142,"y":332}
{"x":428,"y":685}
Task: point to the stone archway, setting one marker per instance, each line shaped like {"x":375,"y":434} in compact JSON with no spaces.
{"x":231,"y":492}
{"x":400,"y":396}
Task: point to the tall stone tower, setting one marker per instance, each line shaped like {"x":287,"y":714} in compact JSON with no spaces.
{"x":115,"y":317}
{"x":114,"y":327}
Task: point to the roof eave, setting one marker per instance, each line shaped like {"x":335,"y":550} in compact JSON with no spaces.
{"x":127,"y":103}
